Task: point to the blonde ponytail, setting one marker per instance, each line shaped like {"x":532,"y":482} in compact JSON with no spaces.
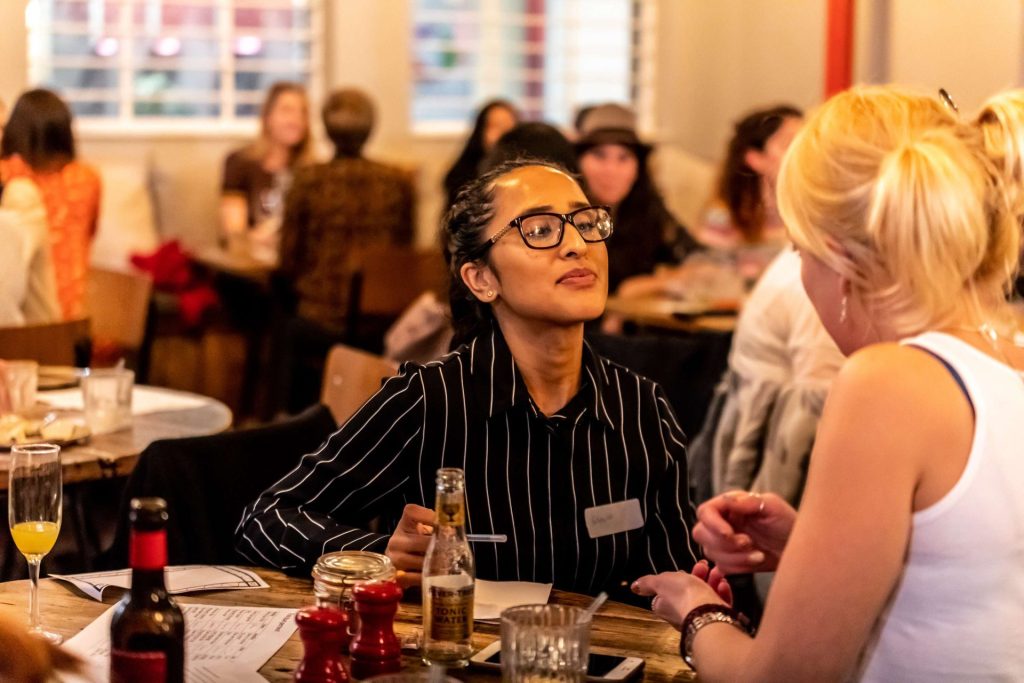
{"x":895,"y":194}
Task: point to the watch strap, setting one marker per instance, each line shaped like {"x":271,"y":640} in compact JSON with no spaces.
{"x":701,"y":616}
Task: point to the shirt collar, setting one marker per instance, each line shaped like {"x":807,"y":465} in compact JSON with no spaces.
{"x":498,"y":384}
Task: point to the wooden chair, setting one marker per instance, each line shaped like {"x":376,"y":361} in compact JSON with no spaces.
{"x":60,"y":343}
{"x":351,"y":377}
{"x":386,"y":279}
{"x":118,"y":303}
{"x":390,"y":277}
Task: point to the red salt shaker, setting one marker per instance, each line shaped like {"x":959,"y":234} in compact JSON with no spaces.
{"x":376,"y":649}
{"x":323,"y":631}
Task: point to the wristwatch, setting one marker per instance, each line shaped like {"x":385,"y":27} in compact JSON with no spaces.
{"x":701,"y":616}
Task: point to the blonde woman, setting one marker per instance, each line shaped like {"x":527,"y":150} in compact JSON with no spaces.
{"x":257,"y":176}
{"x":907,"y":560}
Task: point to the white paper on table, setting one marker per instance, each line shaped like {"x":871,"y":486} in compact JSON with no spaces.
{"x":189,"y":578}
{"x":492,"y":597}
{"x":222,"y":643}
{"x":145,"y":400}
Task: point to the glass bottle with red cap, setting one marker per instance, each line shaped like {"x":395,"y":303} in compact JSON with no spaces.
{"x":147,"y":630}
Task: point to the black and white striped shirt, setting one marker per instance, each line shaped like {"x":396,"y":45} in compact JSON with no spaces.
{"x":528,"y":475}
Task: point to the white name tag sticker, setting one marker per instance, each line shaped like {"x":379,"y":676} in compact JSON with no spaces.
{"x":614,"y":518}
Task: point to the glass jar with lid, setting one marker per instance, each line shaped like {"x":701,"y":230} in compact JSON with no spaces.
{"x":336,"y":574}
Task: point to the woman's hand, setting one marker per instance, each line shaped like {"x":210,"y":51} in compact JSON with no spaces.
{"x":408,"y":544}
{"x":675,"y":594}
{"x":715,"y":578}
{"x":744,"y":532}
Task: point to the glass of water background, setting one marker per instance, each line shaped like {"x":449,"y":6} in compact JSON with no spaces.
{"x":107,"y":398}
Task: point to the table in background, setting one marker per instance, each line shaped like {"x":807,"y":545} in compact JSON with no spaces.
{"x":113,"y":455}
{"x":617,"y":628}
{"x":237,"y":263}
{"x":665,"y":313}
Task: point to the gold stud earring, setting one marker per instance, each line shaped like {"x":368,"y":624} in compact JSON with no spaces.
{"x":490,"y":294}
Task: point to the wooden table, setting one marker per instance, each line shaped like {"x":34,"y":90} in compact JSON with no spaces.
{"x":237,"y":263}
{"x":669,"y":314}
{"x":617,"y":628}
{"x":112,"y":455}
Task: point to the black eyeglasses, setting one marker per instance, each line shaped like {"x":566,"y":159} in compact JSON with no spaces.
{"x":543,"y":230}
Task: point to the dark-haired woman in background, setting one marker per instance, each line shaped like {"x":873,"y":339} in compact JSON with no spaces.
{"x":743,"y":211}
{"x":532,"y":140}
{"x":544,"y":428}
{"x":613,"y":162}
{"x":38,"y":146}
{"x":495,"y":118}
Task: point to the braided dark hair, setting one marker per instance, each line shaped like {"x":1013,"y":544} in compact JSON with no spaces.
{"x":461,"y":236}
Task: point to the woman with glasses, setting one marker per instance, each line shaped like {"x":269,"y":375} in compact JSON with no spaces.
{"x":544,"y":428}
{"x":906,"y":561}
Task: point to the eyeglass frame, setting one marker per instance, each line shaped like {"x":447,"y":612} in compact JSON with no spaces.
{"x":517,"y":224}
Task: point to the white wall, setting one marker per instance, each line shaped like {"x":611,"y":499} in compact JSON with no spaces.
{"x":725,"y":57}
{"x":970,"y":47}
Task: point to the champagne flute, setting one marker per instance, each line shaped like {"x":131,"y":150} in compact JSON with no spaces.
{"x":34,"y":513}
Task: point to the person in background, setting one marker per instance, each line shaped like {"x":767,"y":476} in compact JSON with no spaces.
{"x":743,"y":214}
{"x":532,"y":140}
{"x":760,"y":426}
{"x":38,"y":147}
{"x":613,"y":162}
{"x":333,"y":211}
{"x":257,"y":176}
{"x":544,"y":428}
{"x":494,"y":119}
{"x":741,"y":227}
{"x":906,"y":561}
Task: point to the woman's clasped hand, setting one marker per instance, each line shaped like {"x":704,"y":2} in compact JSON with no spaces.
{"x":744,"y":532}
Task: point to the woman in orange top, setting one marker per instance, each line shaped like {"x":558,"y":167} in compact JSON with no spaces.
{"x":38,"y":145}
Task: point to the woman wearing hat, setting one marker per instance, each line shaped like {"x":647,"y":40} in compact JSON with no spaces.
{"x":613,"y":161}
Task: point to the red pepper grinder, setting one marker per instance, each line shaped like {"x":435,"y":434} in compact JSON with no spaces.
{"x":375,"y":649}
{"x":323,"y":631}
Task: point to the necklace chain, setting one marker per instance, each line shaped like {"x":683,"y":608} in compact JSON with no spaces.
{"x":989,"y":333}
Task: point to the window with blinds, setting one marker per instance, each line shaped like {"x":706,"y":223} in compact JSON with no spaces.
{"x":153,"y":62}
{"x":549,"y":57}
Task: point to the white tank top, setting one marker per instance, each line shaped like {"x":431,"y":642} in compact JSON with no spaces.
{"x":957,"y":613}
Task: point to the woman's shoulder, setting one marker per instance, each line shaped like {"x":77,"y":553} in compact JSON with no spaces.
{"x":81,"y":173}
{"x":896,"y":380}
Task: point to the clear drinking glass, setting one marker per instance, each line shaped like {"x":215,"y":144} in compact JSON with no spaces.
{"x":544,"y":643}
{"x":107,"y":398}
{"x":34,"y":513}
{"x":21,"y":378}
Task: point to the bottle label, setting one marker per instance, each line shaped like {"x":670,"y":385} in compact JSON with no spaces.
{"x":450,"y":511}
{"x":147,"y":549}
{"x":451,"y":613}
{"x":137,"y":667}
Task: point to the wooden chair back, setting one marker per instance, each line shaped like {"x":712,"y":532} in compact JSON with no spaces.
{"x":351,"y":377}
{"x":60,"y":343}
{"x":392,"y":276}
{"x":118,"y":305}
